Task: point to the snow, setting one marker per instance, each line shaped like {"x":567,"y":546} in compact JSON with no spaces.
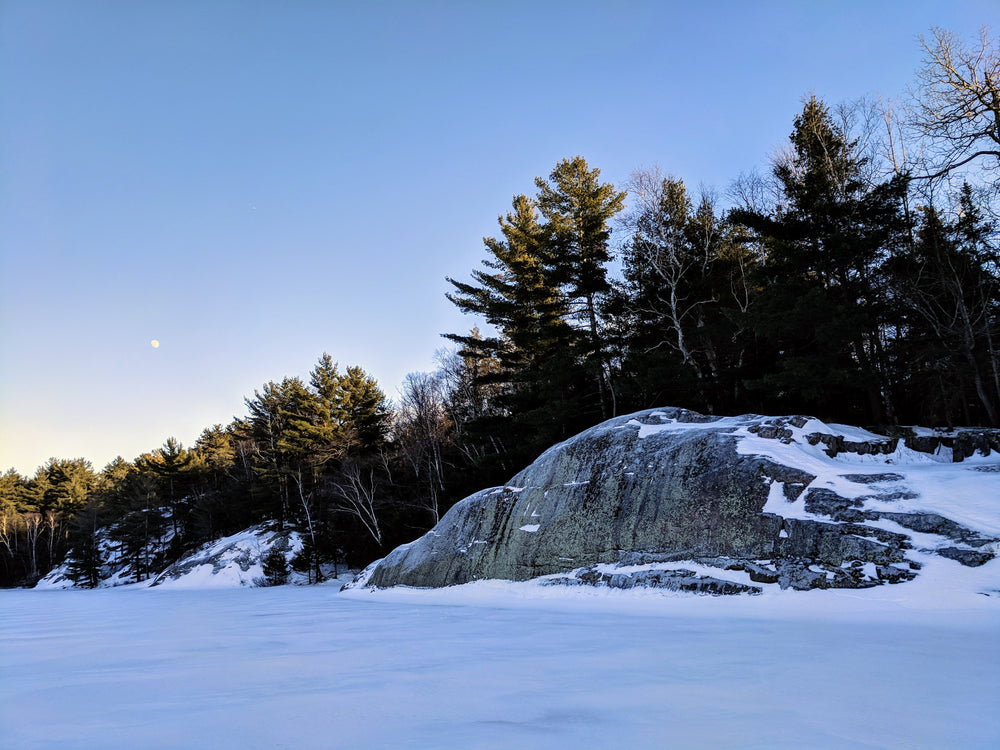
{"x":967,"y":492}
{"x":208,"y":661}
{"x":671,"y":424}
{"x":231,"y":561}
{"x":736,"y":576}
{"x":938,"y":431}
{"x":498,"y":665}
{"x":848,"y":432}
{"x":116,"y":571}
{"x":779,"y":504}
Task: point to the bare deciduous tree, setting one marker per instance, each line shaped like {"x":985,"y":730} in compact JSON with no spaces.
{"x":957,"y":105}
{"x":675,"y":243}
{"x":422,"y":430}
{"x":754,"y":192}
{"x":33,"y":525}
{"x":10,"y":523}
{"x":52,"y":521}
{"x":307,"y":499}
{"x":354,"y":491}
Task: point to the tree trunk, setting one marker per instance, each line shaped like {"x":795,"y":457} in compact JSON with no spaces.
{"x":595,"y":343}
{"x":317,"y":574}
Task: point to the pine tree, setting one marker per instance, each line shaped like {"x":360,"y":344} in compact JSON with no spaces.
{"x":213,"y":454}
{"x":171,"y":465}
{"x":362,"y":408}
{"x":541,"y":291}
{"x":275,"y":567}
{"x":139,"y":529}
{"x":14,"y":502}
{"x":278,"y":441}
{"x":216,"y":506}
{"x":478,"y":402}
{"x":947,"y":290}
{"x":60,"y":489}
{"x":521,"y":297}
{"x":85,"y":558}
{"x":579,"y":209}
{"x":820,"y":318}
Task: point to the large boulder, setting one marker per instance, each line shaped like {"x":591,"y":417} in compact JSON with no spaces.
{"x":671,"y":485}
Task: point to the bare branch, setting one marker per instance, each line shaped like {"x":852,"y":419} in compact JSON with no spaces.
{"x":958,"y":104}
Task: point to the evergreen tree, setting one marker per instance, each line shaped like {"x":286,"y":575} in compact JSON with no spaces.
{"x":820,"y":320}
{"x":14,"y":502}
{"x":275,"y":567}
{"x":322,"y":433}
{"x":85,"y":558}
{"x":278,"y":441}
{"x":519,"y":296}
{"x":478,"y":402}
{"x":64,"y":485}
{"x":542,"y":293}
{"x":139,"y":531}
{"x":947,"y":289}
{"x":528,"y":365}
{"x":112,"y":484}
{"x":579,"y":210}
{"x":60,"y":489}
{"x":214,"y":456}
{"x":217,"y":505}
{"x":363,"y":408}
{"x":171,"y":468}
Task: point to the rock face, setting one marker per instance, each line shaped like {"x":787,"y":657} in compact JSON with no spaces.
{"x":233,"y":561}
{"x":677,"y":491}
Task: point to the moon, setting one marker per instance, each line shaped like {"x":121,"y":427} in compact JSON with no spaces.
{"x":155,"y":344}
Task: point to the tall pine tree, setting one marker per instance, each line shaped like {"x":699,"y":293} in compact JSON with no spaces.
{"x":579,"y":210}
{"x":541,"y":291}
{"x":520,"y":297}
{"x":820,"y":318}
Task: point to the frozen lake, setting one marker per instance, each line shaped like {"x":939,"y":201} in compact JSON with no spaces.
{"x":296,"y":667}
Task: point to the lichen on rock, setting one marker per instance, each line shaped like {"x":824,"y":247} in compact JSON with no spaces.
{"x":671,"y":484}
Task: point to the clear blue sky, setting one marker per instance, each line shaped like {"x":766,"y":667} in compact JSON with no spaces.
{"x":255,"y":183}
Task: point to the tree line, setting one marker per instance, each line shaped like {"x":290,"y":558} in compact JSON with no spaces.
{"x":329,"y":457}
{"x":858,"y":280}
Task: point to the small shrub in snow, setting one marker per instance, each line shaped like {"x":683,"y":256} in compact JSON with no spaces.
{"x":275,"y":568}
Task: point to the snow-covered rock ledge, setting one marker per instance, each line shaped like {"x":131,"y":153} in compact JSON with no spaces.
{"x":235,"y":560}
{"x":232,"y":561}
{"x":675,"y":500}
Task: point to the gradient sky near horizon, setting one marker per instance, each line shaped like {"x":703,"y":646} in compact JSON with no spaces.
{"x":252,"y":184}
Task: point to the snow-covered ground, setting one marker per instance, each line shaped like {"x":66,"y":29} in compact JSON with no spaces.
{"x":495,"y":664}
{"x":499,"y":665}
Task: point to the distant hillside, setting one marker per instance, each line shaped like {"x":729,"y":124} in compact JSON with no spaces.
{"x":235,"y":560}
